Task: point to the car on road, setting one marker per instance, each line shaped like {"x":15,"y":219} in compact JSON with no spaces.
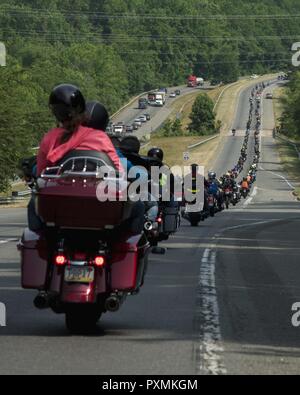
{"x":172,"y":95}
{"x":143,"y":118}
{"x":143,"y":103}
{"x":110,"y":128}
{"x":119,"y":129}
{"x":135,"y":126}
{"x":269,"y":96}
{"x":148,"y":116}
{"x":129,"y":129}
{"x":138,"y":122}
{"x":254,"y":76}
{"x":178,"y":92}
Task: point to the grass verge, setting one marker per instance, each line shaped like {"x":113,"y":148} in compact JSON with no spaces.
{"x":174,"y":147}
{"x":288,"y":156}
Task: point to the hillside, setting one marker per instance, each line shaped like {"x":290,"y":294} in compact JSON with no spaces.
{"x":114,"y":49}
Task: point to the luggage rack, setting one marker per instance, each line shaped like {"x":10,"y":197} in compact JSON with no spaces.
{"x":79,"y":167}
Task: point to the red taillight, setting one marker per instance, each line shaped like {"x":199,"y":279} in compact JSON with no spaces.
{"x":60,"y":260}
{"x":159,"y":220}
{"x":100,"y":261}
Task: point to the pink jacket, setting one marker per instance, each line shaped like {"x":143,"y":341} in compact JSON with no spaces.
{"x":85,"y":139}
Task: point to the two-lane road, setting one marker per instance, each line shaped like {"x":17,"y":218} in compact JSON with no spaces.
{"x":219,"y":301}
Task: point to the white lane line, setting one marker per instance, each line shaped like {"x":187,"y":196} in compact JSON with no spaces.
{"x":8,"y":241}
{"x":279,"y":176}
{"x":252,"y":196}
{"x":252,"y":224}
{"x":210,"y":347}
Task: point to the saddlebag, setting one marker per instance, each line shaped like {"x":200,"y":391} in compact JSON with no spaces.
{"x":73,"y":203}
{"x":129,"y":263}
{"x":34,"y":260}
{"x":170,"y":223}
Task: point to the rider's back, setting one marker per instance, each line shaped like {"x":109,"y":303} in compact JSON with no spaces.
{"x":86,"y":139}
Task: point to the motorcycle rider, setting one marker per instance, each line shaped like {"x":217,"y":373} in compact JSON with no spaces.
{"x":157,"y":156}
{"x":69,"y":107}
{"x":245,"y":184}
{"x":215,"y":187}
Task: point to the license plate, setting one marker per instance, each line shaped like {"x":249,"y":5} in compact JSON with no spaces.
{"x":79,"y":274}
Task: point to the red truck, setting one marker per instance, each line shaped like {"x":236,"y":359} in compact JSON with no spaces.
{"x":193,"y":81}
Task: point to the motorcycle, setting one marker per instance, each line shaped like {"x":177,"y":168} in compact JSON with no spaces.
{"x":228,"y":197}
{"x":211,"y":201}
{"x":244,"y":192}
{"x":194,"y":215}
{"x":235,"y":196}
{"x":82,"y":263}
{"x":167,"y":223}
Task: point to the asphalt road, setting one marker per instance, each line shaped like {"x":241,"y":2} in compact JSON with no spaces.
{"x":158,"y":114}
{"x":218,"y":302}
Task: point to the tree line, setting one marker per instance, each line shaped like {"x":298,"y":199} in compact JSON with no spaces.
{"x":114,"y":49}
{"x":290,"y":120}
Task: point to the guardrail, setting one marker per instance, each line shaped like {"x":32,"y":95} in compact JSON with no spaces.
{"x":21,"y":194}
{"x":203,"y":142}
{"x":291,"y":143}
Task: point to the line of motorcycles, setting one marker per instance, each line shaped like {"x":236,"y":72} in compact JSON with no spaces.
{"x":231,"y":193}
{"x":80,"y":263}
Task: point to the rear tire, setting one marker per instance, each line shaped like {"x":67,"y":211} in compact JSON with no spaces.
{"x":227,"y":203}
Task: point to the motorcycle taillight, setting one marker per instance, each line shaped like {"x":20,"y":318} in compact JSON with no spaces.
{"x":60,"y":260}
{"x":100,"y":261}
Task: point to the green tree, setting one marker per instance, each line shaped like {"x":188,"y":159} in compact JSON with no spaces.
{"x":203,"y":118}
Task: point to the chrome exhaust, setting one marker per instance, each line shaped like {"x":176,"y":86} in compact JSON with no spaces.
{"x":148,"y":226}
{"x":113,"y":302}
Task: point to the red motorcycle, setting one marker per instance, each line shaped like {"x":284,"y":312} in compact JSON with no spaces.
{"x":82,"y":263}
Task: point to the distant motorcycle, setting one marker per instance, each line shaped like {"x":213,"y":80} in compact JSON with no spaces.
{"x":212,"y":204}
{"x":245,"y":192}
{"x":228,"y":197}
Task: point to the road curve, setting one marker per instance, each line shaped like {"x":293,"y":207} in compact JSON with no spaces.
{"x":218,"y":302}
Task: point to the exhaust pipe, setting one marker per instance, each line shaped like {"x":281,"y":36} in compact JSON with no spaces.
{"x":113,"y":303}
{"x":42,"y":301}
{"x":148,"y":226}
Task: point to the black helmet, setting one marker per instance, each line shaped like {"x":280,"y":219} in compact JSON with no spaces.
{"x":130,"y":144}
{"x":66,"y":101}
{"x":156,"y":153}
{"x":97,"y":116}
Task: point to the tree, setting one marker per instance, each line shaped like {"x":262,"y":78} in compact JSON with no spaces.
{"x":172,"y":129}
{"x":203,"y":119}
{"x":290,"y":122}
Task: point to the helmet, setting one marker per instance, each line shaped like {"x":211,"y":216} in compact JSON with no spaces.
{"x":156,"y":153}
{"x":212,"y":175}
{"x":130,"y":144}
{"x":97,"y":114}
{"x":66,"y":101}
